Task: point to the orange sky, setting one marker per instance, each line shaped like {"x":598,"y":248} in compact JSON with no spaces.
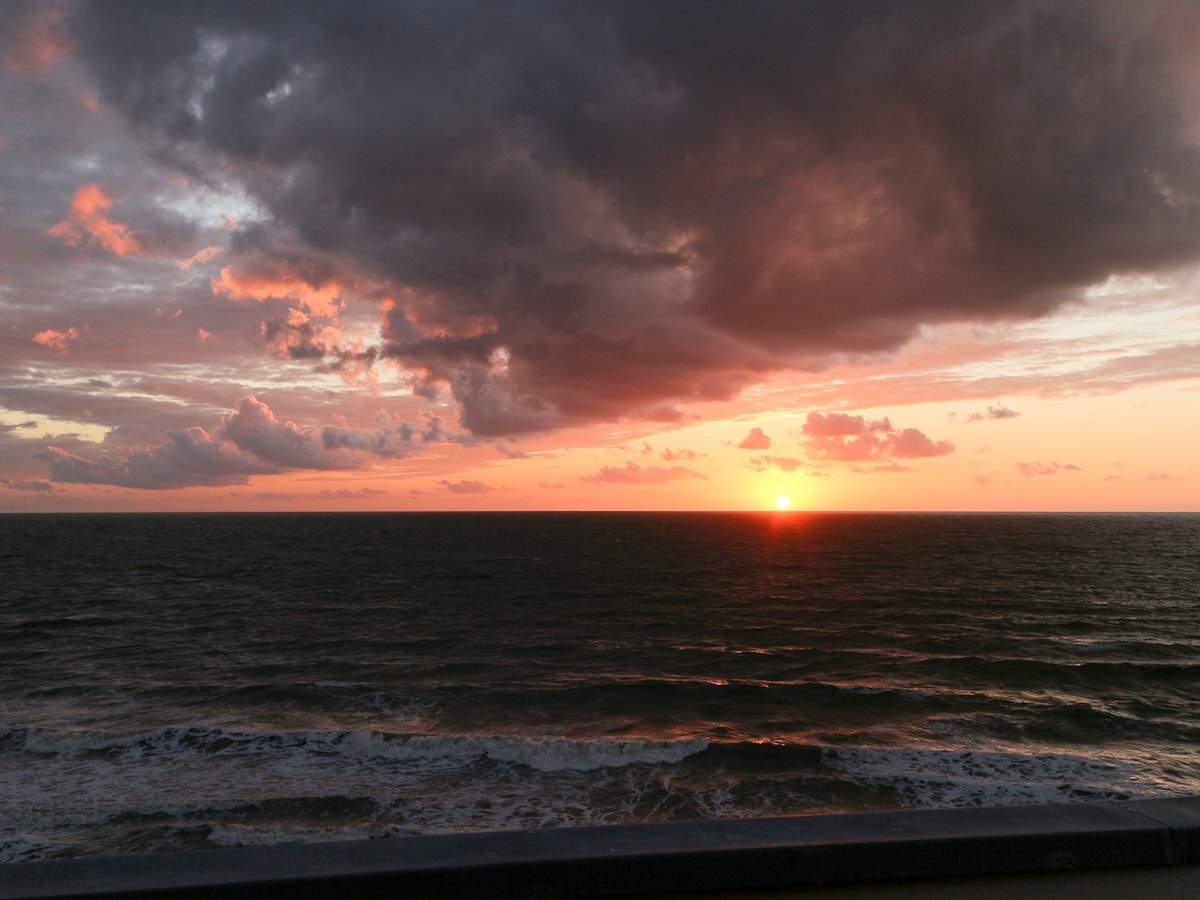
{"x":916,"y":267}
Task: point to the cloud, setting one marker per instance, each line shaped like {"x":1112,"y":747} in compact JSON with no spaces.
{"x":993,"y":412}
{"x":87,"y":221}
{"x":823,"y":425}
{"x":33,"y":38}
{"x":755,"y":440}
{"x":632,"y":473}
{"x":675,"y":455}
{"x":250,"y":440}
{"x":1046,"y":468}
{"x":783,"y":463}
{"x":200,"y":257}
{"x":511,"y":452}
{"x":41,"y":487}
{"x":466,"y":487}
{"x":57,"y":340}
{"x":186,"y":458}
{"x":310,"y":287}
{"x":590,"y":212}
{"x":846,"y":438}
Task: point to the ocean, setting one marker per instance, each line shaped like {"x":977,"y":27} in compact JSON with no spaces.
{"x":186,"y":681}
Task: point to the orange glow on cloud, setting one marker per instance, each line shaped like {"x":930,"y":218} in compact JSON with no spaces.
{"x":208,"y":254}
{"x":276,"y":283}
{"x":87,"y":220}
{"x":41,"y":39}
{"x":57,"y":340}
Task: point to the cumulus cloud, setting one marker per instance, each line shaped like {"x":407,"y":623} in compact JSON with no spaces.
{"x":632,"y":473}
{"x":594,"y":211}
{"x":250,"y":440}
{"x":847,"y":438}
{"x":187,"y":457}
{"x":755,"y":440}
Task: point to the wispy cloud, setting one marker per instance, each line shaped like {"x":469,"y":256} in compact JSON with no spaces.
{"x":1046,"y":468}
{"x":632,"y":473}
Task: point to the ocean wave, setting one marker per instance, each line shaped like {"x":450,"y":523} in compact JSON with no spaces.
{"x":545,"y":754}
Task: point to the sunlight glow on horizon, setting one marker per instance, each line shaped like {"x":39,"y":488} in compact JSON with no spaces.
{"x":788,"y":335}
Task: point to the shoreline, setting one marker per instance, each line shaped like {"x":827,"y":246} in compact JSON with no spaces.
{"x":888,"y":854}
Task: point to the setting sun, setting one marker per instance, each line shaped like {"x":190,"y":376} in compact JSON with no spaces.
{"x":782,"y":502}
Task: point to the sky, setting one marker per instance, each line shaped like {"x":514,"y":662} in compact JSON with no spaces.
{"x":571,"y":255}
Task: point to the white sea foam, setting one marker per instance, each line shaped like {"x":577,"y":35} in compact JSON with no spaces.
{"x":545,"y":754}
{"x":944,"y":778}
{"x":234,"y":835}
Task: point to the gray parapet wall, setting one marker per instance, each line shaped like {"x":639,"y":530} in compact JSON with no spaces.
{"x":741,"y":855}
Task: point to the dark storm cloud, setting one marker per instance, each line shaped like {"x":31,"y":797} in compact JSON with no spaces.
{"x":590,"y":210}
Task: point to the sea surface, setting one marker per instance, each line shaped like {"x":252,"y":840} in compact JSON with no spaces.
{"x":188,"y":681}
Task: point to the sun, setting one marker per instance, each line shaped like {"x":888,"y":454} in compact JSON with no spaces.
{"x":782,"y":501}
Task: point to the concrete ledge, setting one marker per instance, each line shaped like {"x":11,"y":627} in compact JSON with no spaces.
{"x":745,"y":855}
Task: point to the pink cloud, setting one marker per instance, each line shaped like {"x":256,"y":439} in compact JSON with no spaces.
{"x":845,"y":438}
{"x":839,"y":424}
{"x":912,"y":444}
{"x":783,"y":463}
{"x":87,"y":220}
{"x":755,"y":440}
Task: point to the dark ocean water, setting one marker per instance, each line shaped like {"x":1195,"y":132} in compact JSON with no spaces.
{"x":183,"y":681}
